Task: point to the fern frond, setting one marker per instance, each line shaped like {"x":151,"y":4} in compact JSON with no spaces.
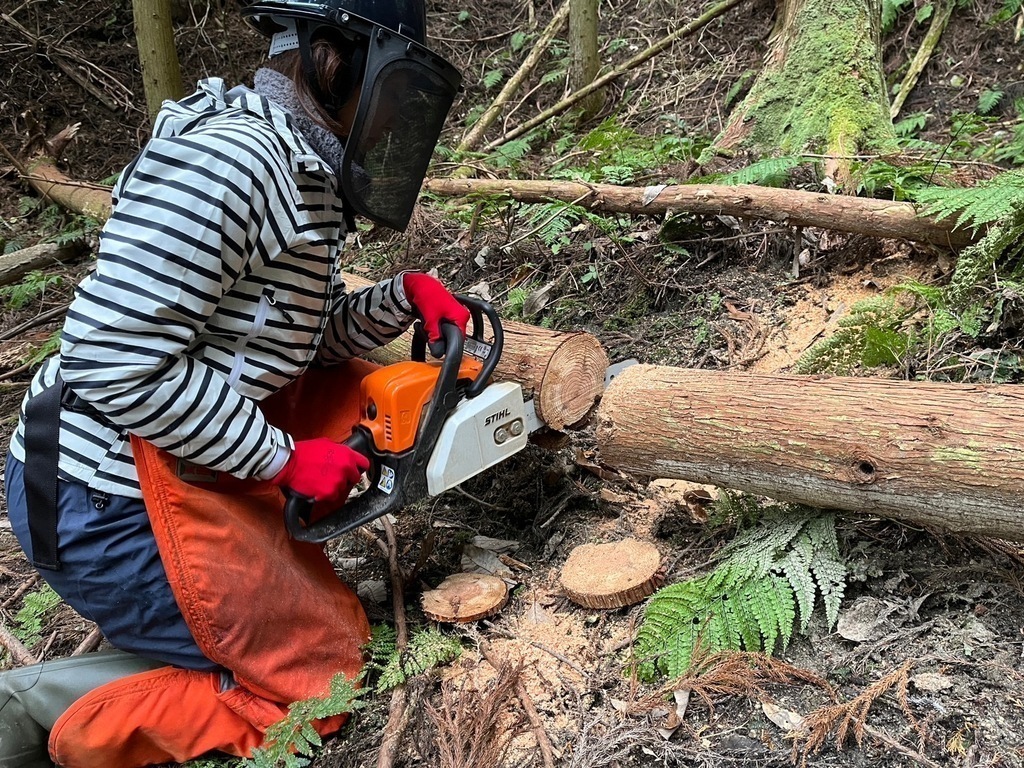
{"x":977,"y":206}
{"x":767,"y":578}
{"x":771,"y":172}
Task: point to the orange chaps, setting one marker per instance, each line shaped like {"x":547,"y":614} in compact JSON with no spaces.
{"x":268,"y":608}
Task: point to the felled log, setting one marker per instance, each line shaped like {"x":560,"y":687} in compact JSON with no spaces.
{"x":946,"y":455}
{"x":17,"y":264}
{"x":860,"y":215}
{"x":563,"y":372}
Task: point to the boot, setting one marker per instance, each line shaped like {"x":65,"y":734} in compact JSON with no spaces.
{"x":33,"y":697}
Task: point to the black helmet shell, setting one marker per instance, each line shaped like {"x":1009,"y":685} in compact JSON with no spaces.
{"x":408,"y":18}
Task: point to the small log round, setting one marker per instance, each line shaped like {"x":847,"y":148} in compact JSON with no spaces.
{"x":465,"y":597}
{"x":612,"y":575}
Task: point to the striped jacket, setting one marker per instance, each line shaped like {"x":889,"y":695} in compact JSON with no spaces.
{"x":216,"y":284}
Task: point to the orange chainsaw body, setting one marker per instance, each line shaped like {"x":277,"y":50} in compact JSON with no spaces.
{"x":393,"y":399}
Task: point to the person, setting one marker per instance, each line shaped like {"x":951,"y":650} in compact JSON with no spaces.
{"x":217,"y":289}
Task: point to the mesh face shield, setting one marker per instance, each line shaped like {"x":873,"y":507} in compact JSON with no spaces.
{"x":405,"y":97}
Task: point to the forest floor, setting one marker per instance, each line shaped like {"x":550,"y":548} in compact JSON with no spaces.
{"x":942,"y":613}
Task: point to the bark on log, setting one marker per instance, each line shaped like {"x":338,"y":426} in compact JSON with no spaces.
{"x":17,"y":264}
{"x":563,"y":372}
{"x":865,"y":216}
{"x":942,"y":455}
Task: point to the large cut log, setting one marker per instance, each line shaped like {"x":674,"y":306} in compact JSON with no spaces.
{"x":947,"y":455}
{"x":562,"y":372}
{"x":860,"y":215}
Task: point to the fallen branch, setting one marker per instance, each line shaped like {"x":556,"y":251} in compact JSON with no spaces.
{"x":17,"y":264}
{"x":21,"y":655}
{"x":90,"y":643}
{"x":398,"y":711}
{"x":40,"y":319}
{"x":923,"y":55}
{"x":476,"y":133}
{"x":644,"y":55}
{"x":860,"y":215}
{"x":536,"y":724}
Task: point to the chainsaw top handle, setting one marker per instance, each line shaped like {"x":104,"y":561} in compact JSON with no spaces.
{"x":397,"y":480}
{"x":489,"y":354}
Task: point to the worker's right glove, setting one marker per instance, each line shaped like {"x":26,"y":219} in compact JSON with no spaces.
{"x":322,"y":469}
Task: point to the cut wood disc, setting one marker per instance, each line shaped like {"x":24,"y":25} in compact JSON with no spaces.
{"x":464,"y":597}
{"x":612,"y":575}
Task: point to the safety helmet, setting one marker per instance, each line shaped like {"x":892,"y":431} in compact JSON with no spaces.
{"x":405,"y":92}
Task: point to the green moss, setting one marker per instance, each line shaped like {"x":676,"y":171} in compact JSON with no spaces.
{"x":828,"y":94}
{"x":964,"y":456}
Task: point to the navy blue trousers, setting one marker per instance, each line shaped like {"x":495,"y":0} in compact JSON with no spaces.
{"x":110,"y":570}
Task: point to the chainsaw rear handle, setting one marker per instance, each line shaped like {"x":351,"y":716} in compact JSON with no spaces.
{"x":395,"y":481}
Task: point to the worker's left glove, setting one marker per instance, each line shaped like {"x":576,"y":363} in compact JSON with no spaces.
{"x":433,"y":303}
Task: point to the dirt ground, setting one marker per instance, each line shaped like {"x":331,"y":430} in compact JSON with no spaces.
{"x":948,"y":609}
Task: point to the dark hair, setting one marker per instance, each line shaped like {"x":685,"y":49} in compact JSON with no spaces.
{"x":332,"y":62}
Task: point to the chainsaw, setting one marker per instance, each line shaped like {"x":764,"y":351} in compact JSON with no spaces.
{"x":426,"y":427}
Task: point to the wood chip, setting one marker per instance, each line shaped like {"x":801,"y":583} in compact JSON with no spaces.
{"x":612,"y":575}
{"x":465,"y":597}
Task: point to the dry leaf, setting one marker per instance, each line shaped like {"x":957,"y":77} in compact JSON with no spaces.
{"x":478,"y":560}
{"x":786,"y":719}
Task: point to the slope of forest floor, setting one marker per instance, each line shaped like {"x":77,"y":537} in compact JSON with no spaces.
{"x":942,"y":613}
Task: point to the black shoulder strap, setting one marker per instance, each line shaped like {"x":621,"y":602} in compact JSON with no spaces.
{"x":42,"y":449}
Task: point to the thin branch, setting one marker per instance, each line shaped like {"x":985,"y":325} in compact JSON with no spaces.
{"x":704,"y":19}
{"x":476,"y":133}
{"x":923,"y":55}
{"x":537,"y":725}
{"x":39,"y":319}
{"x":90,"y":643}
{"x":398,"y":711}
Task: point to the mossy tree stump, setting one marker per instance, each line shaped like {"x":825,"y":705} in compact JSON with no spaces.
{"x":822,"y":88}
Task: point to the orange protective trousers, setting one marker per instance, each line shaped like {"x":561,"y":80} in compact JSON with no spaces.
{"x":265,"y":607}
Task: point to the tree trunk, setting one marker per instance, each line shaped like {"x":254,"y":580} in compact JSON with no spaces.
{"x":865,"y":216}
{"x":562,"y":372}
{"x":822,"y":87}
{"x":154,"y":35}
{"x":943,"y":455}
{"x":586,"y":61}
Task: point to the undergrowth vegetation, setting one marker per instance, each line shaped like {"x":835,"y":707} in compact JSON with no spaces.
{"x":764,"y":587}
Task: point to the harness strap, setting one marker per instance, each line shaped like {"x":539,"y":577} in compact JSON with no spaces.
{"x":42,"y":450}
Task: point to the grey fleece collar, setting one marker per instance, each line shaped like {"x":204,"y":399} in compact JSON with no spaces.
{"x":279,"y":89}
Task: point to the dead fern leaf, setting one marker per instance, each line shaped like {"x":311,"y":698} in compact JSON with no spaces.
{"x":475,"y":726}
{"x":842,"y":717}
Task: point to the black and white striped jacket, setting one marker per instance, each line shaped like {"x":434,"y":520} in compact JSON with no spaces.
{"x":217,"y":283}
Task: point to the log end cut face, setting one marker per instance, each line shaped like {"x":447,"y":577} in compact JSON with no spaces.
{"x":465,"y":597}
{"x":573,"y":380}
{"x":612,"y":575}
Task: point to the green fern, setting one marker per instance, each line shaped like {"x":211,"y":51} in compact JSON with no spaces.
{"x":871,"y":335}
{"x":987,"y":101}
{"x":492,"y":78}
{"x":770,"y":172}
{"x":890,"y":10}
{"x":33,"y":286}
{"x":767,"y":579}
{"x":35,"y":610}
{"x":293,"y":740}
{"x":983,"y":204}
{"x":427,"y":648}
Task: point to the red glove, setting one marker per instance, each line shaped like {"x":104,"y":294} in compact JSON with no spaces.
{"x":322,"y":469}
{"x":433,"y":303}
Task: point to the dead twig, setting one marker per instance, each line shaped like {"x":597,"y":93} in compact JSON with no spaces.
{"x":40,"y":319}
{"x":536,"y":724}
{"x":28,"y":584}
{"x":398,"y":712}
{"x":90,"y":643}
{"x":21,"y":655}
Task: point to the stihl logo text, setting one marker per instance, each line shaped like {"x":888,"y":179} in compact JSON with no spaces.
{"x":496,"y":416}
